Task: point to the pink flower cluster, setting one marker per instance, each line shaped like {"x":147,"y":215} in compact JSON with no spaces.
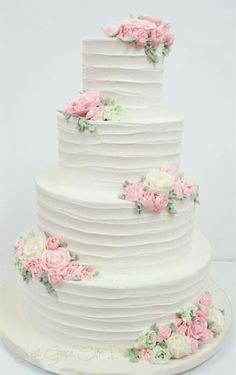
{"x":197,"y":330}
{"x":87,"y":105}
{"x":141,"y":30}
{"x":184,"y":189}
{"x":57,"y":262}
{"x":151,"y":201}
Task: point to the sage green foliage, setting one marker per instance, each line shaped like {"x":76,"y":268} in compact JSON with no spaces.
{"x":44,"y":280}
{"x":83,"y":125}
{"x":138,"y":207}
{"x":165,"y":50}
{"x":132,"y":354}
{"x":151,"y":52}
{"x":171,"y":199}
{"x":26,"y":275}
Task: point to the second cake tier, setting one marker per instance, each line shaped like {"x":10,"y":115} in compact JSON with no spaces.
{"x":120,"y":150}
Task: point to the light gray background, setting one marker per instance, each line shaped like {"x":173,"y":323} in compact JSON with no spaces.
{"x":41,"y":69}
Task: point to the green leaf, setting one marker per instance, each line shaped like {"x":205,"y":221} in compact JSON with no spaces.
{"x":74,"y":256}
{"x":85,"y":125}
{"x":151,"y":52}
{"x":47,"y":234}
{"x":126,"y":183}
{"x":154,"y":327}
{"x":172,"y":327}
{"x":44,"y":280}
{"x":166,"y":50}
{"x":138,"y":207}
{"x":122,"y":196}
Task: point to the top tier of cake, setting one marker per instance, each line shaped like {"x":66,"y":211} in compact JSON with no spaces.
{"x":122,"y":72}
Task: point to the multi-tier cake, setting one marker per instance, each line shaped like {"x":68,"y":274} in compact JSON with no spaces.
{"x":115,"y":261}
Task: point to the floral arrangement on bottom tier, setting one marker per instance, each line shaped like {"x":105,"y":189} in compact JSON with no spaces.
{"x":159,"y":190}
{"x":195,"y":325}
{"x":43,"y":257}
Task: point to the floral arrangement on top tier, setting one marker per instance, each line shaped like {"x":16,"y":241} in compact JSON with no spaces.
{"x":144,"y":32}
{"x":195,"y":325}
{"x":89,"y":106}
{"x":159,"y":190}
{"x":45,"y":258}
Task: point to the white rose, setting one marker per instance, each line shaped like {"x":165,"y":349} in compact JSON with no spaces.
{"x":35,"y":243}
{"x":159,"y":181}
{"x":179,"y":345}
{"x":216,"y":320}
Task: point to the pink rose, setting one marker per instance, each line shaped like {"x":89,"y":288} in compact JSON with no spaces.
{"x":148,"y":200}
{"x":54,"y":277}
{"x":168,"y":39}
{"x":178,"y":188}
{"x":160,"y":202}
{"x":205,"y":303}
{"x":20,"y":249}
{"x":181,"y":326}
{"x":165,"y":27}
{"x":145,"y":354}
{"x":190,"y":189}
{"x":133,"y":33}
{"x":156,"y":37}
{"x":151,"y":19}
{"x":194,"y":345}
{"x":53,"y":243}
{"x":207,"y":336}
{"x":135,"y":30}
{"x":202,"y":314}
{"x":81,"y":105}
{"x":34,"y":266}
{"x":73,"y":270}
{"x":164,"y":332}
{"x":111,"y":30}
{"x":96,"y":113}
{"x":168,"y":36}
{"x":55,"y":260}
{"x":133,"y":192}
{"x":197,"y":328}
{"x":140,"y":37}
{"x":87,"y":273}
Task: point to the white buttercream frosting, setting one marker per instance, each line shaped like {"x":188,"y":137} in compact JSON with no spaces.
{"x":122,"y":72}
{"x":120,"y":150}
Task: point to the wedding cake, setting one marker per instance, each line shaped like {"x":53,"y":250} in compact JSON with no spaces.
{"x":115,"y":261}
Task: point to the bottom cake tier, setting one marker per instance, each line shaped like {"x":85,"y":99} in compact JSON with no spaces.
{"x":113,"y":310}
